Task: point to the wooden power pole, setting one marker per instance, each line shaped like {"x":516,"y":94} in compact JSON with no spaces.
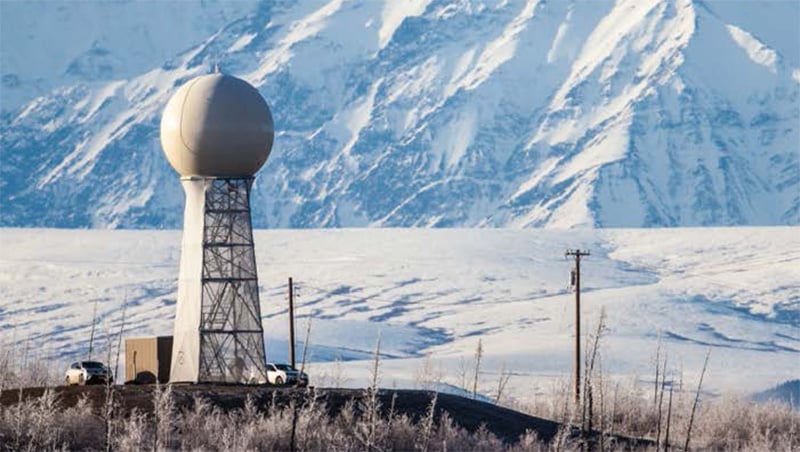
{"x":291,"y":323}
{"x":576,"y":281}
{"x":91,"y":335}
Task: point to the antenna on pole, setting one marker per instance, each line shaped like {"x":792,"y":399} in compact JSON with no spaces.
{"x":575,"y":281}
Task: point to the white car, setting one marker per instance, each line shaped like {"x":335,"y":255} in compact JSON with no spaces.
{"x":88,"y":372}
{"x":279,"y":374}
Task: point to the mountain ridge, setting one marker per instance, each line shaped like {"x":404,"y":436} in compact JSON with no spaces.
{"x":439,"y":114}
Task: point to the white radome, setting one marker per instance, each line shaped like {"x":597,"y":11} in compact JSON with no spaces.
{"x":217,"y":125}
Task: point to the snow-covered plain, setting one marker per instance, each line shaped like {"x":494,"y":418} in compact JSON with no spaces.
{"x":735,"y":291}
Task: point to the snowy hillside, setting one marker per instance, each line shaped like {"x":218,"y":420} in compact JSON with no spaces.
{"x":436,"y":292}
{"x":416,"y":113}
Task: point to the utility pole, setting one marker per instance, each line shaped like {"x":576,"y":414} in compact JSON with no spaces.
{"x":91,"y":335}
{"x":291,"y":323}
{"x":576,"y":281}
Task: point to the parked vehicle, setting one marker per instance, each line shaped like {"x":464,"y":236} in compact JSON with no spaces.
{"x":280,"y":374}
{"x":88,"y":372}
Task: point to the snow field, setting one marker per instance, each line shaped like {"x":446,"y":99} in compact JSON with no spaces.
{"x":432,"y":294}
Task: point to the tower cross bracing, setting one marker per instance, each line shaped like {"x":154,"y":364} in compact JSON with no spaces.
{"x":231,"y":334}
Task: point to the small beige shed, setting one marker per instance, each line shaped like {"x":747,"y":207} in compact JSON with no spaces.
{"x":148,"y":359}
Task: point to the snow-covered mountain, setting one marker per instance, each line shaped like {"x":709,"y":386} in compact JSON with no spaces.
{"x":416,"y":112}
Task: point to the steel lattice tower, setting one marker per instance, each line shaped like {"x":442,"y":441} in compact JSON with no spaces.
{"x":231,"y":335}
{"x":227,"y":334}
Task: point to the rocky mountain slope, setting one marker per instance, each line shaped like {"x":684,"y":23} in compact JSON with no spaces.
{"x":428,"y":113}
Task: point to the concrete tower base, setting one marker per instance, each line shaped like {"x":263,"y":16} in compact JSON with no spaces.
{"x":218,"y":332}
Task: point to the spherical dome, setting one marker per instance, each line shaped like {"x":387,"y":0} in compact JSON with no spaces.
{"x":216,"y":125}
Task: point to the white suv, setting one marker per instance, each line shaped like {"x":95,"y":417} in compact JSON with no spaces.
{"x":279,"y":374}
{"x":88,"y":372}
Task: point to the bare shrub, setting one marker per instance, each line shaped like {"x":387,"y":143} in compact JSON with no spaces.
{"x":502,"y":382}
{"x":423,"y":441}
{"x":41,"y":424}
{"x":692,"y":420}
{"x":429,"y":375}
{"x":733,"y":423}
{"x":720,"y":423}
{"x":529,"y":442}
{"x":478,"y":357}
{"x":28,"y":366}
{"x":202,"y":420}
{"x":81,"y":426}
{"x":132,"y":434}
{"x":40,"y":427}
{"x":163,"y":417}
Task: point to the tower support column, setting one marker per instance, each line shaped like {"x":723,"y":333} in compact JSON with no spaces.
{"x":218,"y":333}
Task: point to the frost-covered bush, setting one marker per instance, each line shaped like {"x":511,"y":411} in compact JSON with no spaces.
{"x":720,"y":423}
{"x":43,"y":424}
